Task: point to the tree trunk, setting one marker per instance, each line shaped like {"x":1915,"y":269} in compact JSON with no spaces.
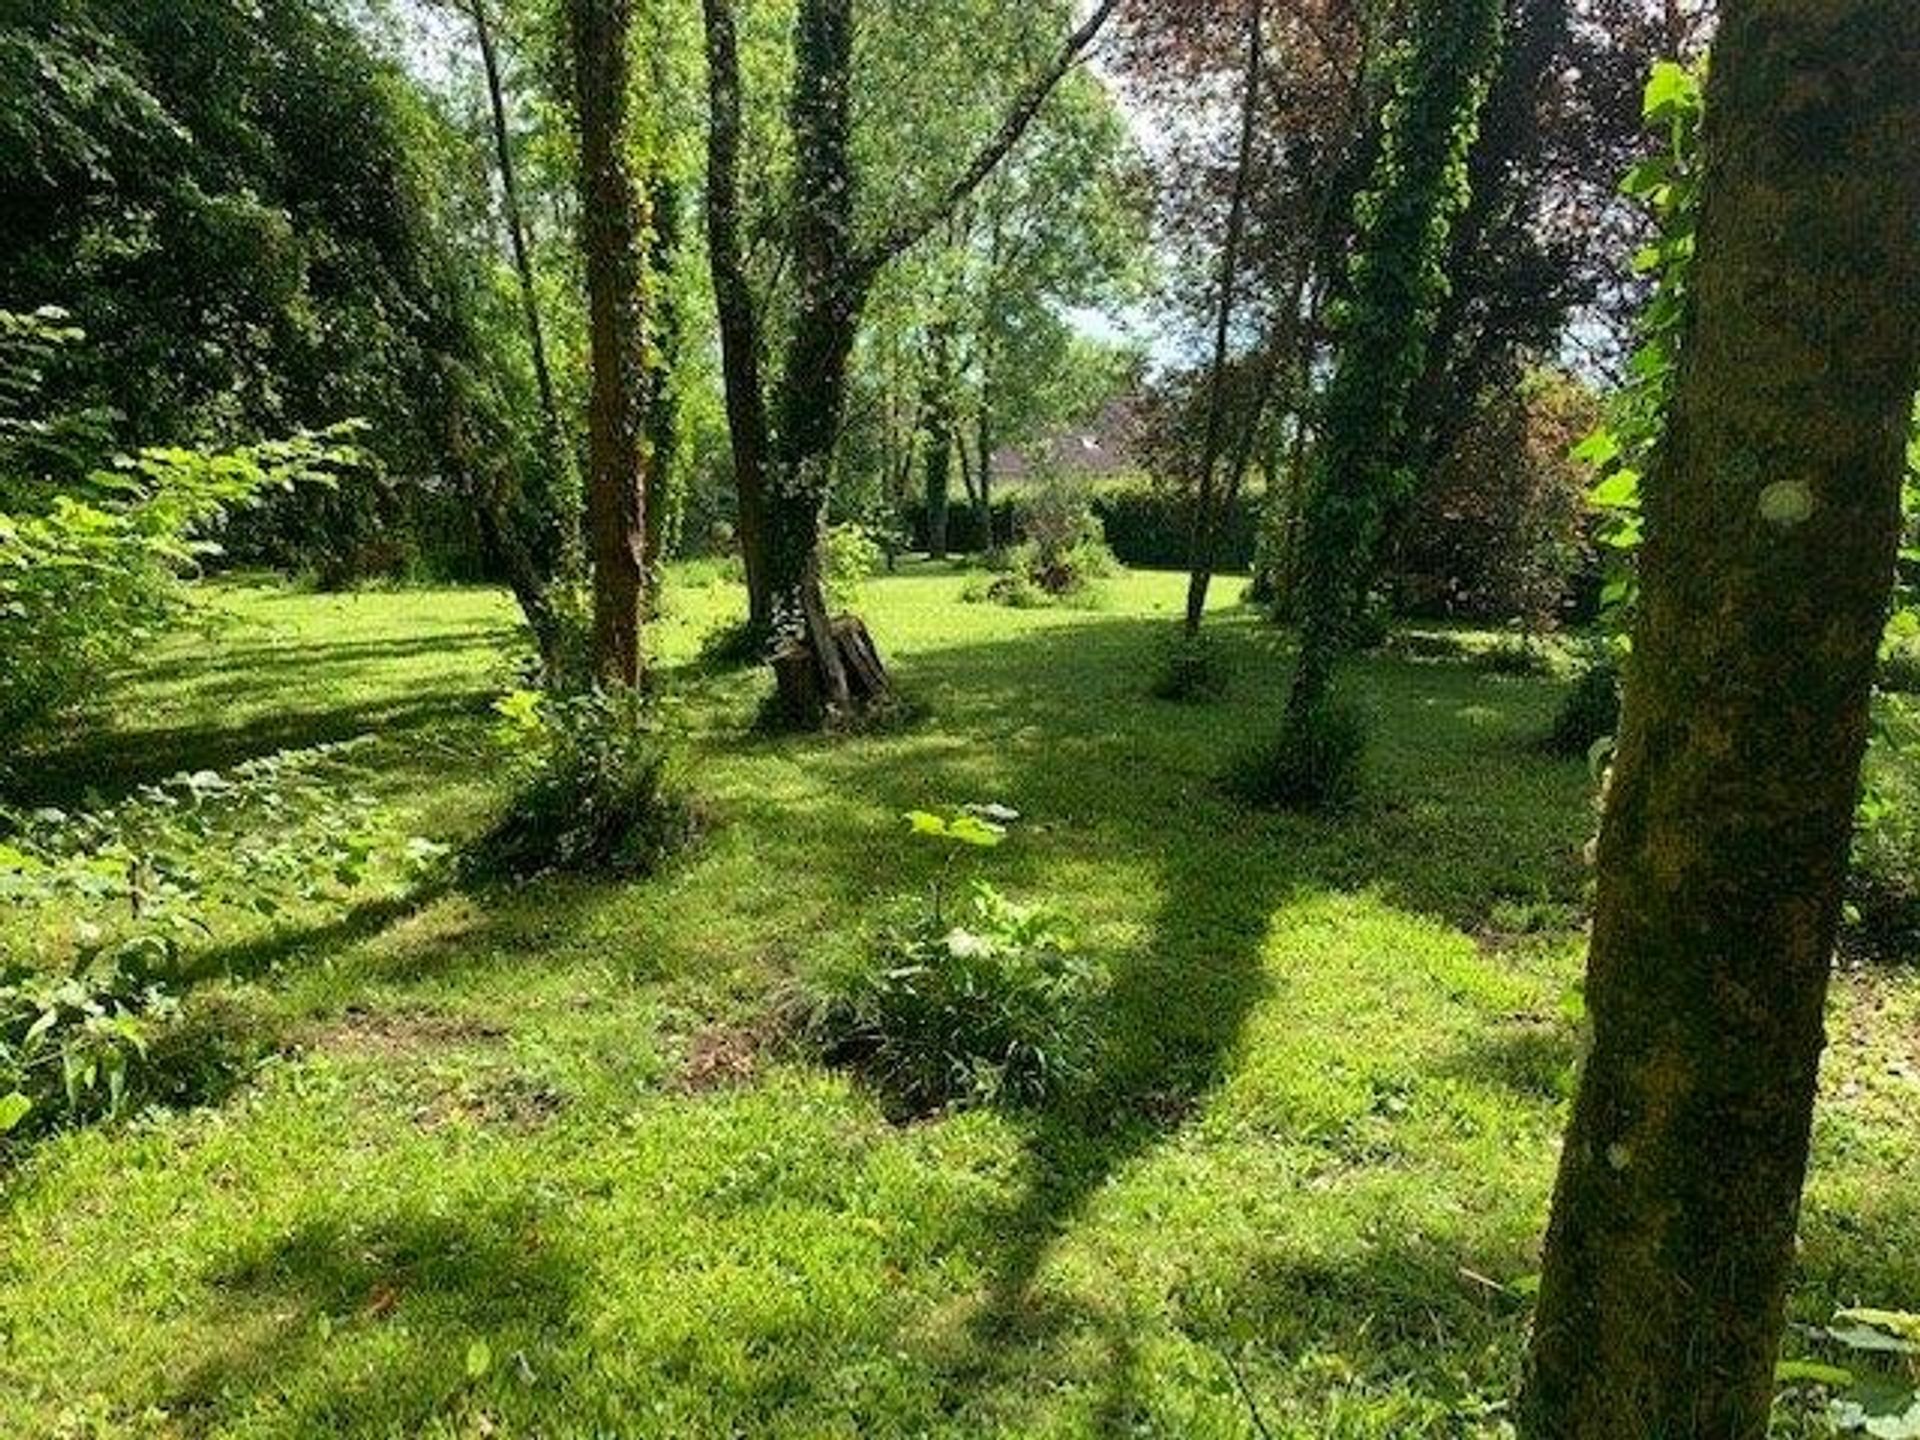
{"x":939,"y":459}
{"x":1200,"y":549}
{"x":985,"y":472}
{"x":612,"y":225}
{"x":663,"y":395}
{"x":559,"y":456}
{"x":1418,"y":192}
{"x":1773,"y":517}
{"x":739,"y":321}
{"x":813,"y":386}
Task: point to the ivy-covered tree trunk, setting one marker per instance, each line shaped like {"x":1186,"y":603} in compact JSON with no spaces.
{"x":739,"y":320}
{"x":1773,"y":515}
{"x":813,"y":386}
{"x":1404,"y":221}
{"x":612,"y":225}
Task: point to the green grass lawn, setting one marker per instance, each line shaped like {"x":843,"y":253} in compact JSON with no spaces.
{"x":526,"y":1162}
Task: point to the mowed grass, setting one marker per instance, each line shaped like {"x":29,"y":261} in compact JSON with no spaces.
{"x":529,"y":1162}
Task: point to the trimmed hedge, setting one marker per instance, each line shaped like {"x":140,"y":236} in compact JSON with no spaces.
{"x":1146,"y":529}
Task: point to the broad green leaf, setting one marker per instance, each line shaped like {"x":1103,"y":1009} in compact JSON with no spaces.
{"x":1811,"y":1372}
{"x":13,"y":1109}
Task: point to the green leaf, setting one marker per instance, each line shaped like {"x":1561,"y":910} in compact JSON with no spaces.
{"x":479,"y":1360}
{"x":1619,"y":491}
{"x":1812,"y":1372}
{"x":1671,"y":90}
{"x":13,"y":1109}
{"x":924,"y":823}
{"x":971,"y":830}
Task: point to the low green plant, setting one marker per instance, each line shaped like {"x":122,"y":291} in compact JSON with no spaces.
{"x":987,"y":1002}
{"x":71,"y":1043}
{"x":1313,"y":765}
{"x":1193,"y":668}
{"x":1876,"y":1392}
{"x":1589,"y":714}
{"x":103,"y":906}
{"x":594,"y":787}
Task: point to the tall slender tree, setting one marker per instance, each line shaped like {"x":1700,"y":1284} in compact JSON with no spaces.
{"x":1201,"y":545}
{"x":613,"y":224}
{"x":1403,"y":222}
{"x":788,"y":424}
{"x":1773,"y":518}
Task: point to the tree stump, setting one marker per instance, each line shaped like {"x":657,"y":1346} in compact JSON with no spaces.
{"x":802,"y":680}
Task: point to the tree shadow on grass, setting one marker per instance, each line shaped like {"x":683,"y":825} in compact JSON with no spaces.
{"x":1062,"y":729}
{"x":377,"y":1326}
{"x":111,"y":766}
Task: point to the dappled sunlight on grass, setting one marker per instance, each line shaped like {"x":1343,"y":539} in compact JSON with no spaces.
{"x":534,"y":1159}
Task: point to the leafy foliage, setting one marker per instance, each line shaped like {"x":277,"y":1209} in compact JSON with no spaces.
{"x":594,"y":787}
{"x":1622,"y":451}
{"x":1192,"y":669}
{"x":1877,"y":1392}
{"x":1589,"y":716}
{"x":991,"y":1006}
{"x":1062,"y":548}
{"x":104,"y":906}
{"x":90,"y":566}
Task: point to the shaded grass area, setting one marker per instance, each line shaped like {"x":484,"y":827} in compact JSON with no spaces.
{"x":494,"y":1182}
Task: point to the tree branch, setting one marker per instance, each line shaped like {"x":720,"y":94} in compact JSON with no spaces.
{"x":912,"y":231}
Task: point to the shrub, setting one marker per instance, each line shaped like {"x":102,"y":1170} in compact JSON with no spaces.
{"x":1193,"y":668}
{"x":1900,"y":666}
{"x":101,"y":908}
{"x":1883,"y":909}
{"x":1590,"y":713}
{"x":91,"y":554}
{"x":1373,"y":624}
{"x":595,"y":791}
{"x":853,"y":554}
{"x":72,"y":1044}
{"x":1061,"y":550}
{"x":993,"y":1009}
{"x":1313,"y":765}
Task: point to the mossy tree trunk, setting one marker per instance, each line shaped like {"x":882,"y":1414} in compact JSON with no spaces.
{"x":1773,"y":515}
{"x":613,"y":223}
{"x":735,"y":306}
{"x":1403,"y":223}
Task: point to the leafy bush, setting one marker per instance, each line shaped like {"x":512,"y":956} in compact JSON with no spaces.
{"x":1313,"y":765}
{"x":1373,"y":625}
{"x":989,"y":1006}
{"x":595,"y":790}
{"x":1060,"y":553}
{"x":1900,"y":665}
{"x":1877,"y":1391}
{"x":1590,"y":713}
{"x":1500,"y":530}
{"x":101,"y":908}
{"x":90,"y":557}
{"x":853,"y":554}
{"x":1192,"y":669}
{"x":71,"y":1044}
